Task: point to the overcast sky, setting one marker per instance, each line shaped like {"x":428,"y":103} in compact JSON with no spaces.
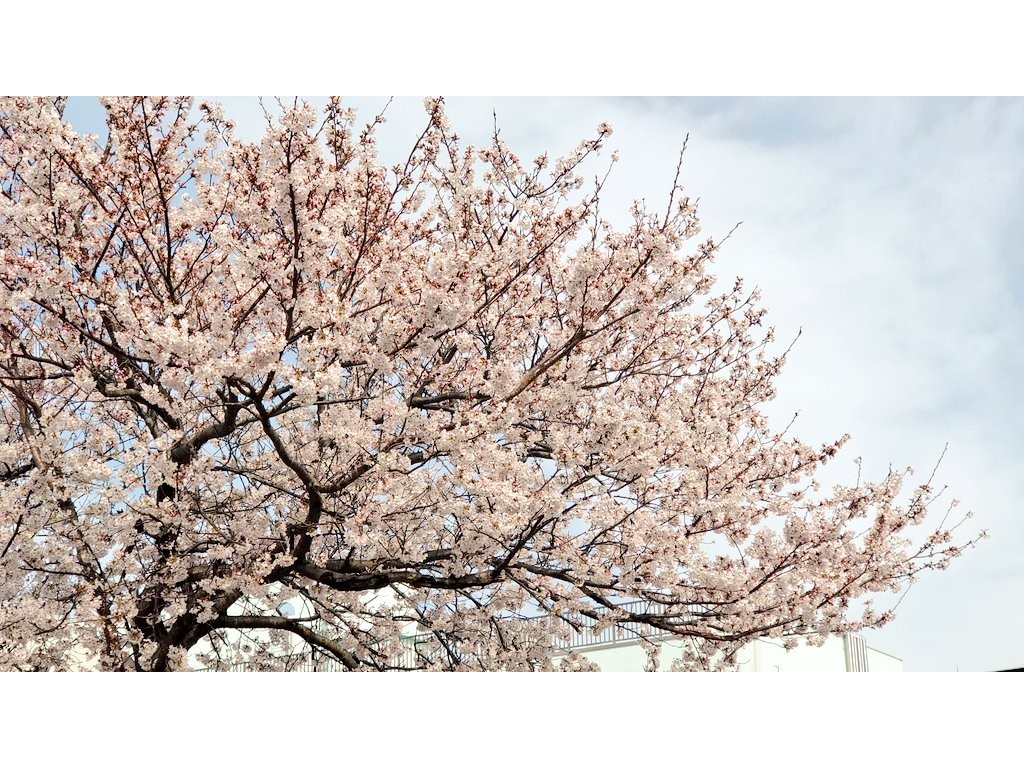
{"x":888,"y":231}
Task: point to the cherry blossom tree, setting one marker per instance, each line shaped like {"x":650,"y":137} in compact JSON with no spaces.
{"x":240,"y":373}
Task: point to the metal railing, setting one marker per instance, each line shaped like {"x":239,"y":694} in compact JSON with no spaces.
{"x":588,"y":634}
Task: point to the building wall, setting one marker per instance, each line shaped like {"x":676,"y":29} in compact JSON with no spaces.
{"x":759,"y":656}
{"x":883,"y":662}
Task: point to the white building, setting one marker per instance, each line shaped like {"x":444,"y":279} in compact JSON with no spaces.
{"x":616,"y":649}
{"x":848,"y":653}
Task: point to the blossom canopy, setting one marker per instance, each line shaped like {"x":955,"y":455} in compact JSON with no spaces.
{"x":444,"y":396}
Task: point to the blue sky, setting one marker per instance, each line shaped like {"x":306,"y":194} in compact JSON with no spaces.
{"x":888,"y":230}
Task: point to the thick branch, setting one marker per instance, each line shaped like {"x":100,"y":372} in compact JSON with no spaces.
{"x":289,"y":625}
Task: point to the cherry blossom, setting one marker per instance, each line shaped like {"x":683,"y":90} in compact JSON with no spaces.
{"x":443,"y":396}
